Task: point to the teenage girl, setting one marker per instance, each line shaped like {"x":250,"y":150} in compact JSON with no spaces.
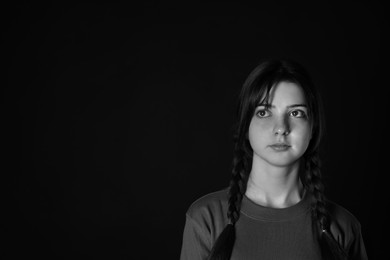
{"x":275,"y":206}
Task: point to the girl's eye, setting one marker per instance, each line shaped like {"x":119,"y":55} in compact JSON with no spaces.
{"x":298,"y":113}
{"x":262,"y":113}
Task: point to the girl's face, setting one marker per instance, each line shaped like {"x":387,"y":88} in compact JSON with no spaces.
{"x":280,"y":131}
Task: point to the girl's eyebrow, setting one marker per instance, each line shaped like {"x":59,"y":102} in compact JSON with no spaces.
{"x":290,"y":106}
{"x":297,"y":105}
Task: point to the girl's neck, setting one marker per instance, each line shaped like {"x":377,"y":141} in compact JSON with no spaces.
{"x":275,"y":187}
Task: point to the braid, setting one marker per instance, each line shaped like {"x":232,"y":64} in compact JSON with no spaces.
{"x":223,"y":247}
{"x":313,"y":183}
{"x":312,"y":180}
{"x":238,"y":184}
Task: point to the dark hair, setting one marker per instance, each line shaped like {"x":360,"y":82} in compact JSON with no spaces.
{"x":256,"y":91}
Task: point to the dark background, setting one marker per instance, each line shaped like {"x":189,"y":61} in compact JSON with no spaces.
{"x":118,"y":116}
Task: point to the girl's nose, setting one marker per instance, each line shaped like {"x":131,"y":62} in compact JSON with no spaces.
{"x":282,"y":127}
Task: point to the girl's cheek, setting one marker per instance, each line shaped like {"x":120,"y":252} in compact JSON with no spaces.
{"x":265,"y":123}
{"x":300,"y":125}
{"x":258,"y":123}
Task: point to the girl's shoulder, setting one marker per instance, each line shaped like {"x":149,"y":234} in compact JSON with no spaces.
{"x":341,"y":216}
{"x":344,"y":226}
{"x":209,"y":206}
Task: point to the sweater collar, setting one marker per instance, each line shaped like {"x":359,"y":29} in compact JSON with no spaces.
{"x":258,"y":212}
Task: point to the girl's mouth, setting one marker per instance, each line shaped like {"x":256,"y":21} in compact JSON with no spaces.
{"x":280,"y":146}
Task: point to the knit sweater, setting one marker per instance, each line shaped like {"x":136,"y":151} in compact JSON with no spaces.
{"x":267,"y":233}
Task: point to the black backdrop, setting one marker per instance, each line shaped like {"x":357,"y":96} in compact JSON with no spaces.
{"x":118,"y":116}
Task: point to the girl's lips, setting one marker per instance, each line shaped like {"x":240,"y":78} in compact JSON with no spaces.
{"x":280,"y":146}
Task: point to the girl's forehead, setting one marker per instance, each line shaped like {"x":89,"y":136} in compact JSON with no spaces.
{"x":284,"y":92}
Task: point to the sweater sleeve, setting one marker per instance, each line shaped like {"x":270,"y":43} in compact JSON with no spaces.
{"x":196,"y":242}
{"x":357,"y":250}
{"x":346,"y":229}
